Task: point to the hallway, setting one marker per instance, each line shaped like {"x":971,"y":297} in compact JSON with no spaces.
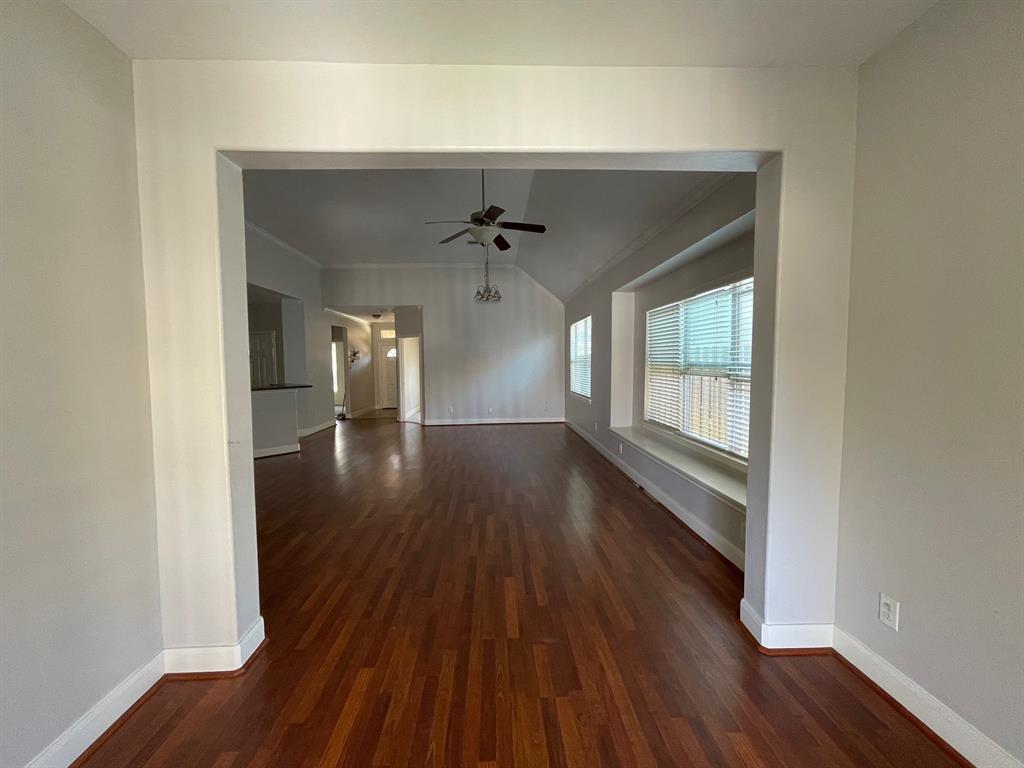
{"x":499,"y":596}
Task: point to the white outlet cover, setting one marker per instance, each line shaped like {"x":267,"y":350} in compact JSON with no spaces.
{"x":889,"y":611}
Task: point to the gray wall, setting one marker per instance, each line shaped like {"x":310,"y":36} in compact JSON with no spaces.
{"x":720,"y":523}
{"x":272,"y":265}
{"x":79,"y":588}
{"x":932,"y":501}
{"x":506,"y":357}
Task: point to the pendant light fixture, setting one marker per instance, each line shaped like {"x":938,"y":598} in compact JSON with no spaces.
{"x":487,"y":292}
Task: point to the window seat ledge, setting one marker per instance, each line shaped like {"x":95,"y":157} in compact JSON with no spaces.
{"x":723,"y":482}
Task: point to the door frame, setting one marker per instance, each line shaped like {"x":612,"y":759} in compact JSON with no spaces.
{"x":381,"y":362}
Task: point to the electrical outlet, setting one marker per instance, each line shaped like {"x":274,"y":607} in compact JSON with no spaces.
{"x":451,"y":409}
{"x":889,"y":611}
{"x":490,"y":410}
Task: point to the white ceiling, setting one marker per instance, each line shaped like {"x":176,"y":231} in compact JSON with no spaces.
{"x":766,"y":33}
{"x":344,"y":217}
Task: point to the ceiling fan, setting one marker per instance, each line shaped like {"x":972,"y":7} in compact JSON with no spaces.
{"x":484,"y":228}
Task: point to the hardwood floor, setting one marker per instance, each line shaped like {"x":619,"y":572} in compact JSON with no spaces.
{"x":499,"y":596}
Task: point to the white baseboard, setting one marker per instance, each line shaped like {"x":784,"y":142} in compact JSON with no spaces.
{"x":215,"y":658}
{"x":80,"y":735}
{"x":277,"y":450}
{"x":784,"y":635}
{"x":66,"y":748}
{"x":307,"y":431}
{"x":729,"y":550}
{"x":499,"y":420}
{"x":947,"y":724}
{"x":360,"y":412}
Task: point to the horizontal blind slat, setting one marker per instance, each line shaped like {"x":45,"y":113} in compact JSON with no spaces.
{"x":698,"y":366}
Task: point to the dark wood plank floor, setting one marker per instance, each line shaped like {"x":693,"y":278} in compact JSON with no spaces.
{"x":499,"y":596}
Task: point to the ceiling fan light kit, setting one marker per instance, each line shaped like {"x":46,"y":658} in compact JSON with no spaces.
{"x":485,"y":229}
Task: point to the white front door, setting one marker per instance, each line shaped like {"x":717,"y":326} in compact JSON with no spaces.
{"x":388,"y":373}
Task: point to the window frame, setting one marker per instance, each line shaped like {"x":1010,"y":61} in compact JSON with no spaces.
{"x":685,"y":440}
{"x":589,"y":320}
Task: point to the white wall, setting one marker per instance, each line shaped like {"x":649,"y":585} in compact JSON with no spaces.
{"x":932,"y":505}
{"x":293,"y":331}
{"x":275,"y":426}
{"x":409,"y":378}
{"x":506,"y":356}
{"x":79,"y":588}
{"x":272,"y":264}
{"x":361,"y":380}
{"x":186,"y":111}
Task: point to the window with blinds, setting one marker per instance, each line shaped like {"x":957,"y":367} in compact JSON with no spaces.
{"x":579,"y":357}
{"x":698,"y":366}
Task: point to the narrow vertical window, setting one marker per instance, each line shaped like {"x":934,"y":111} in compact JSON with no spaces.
{"x":579,"y":357}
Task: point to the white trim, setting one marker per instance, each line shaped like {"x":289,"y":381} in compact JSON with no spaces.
{"x":215,"y":658}
{"x":947,"y":724}
{"x":277,"y":450}
{"x":282,"y":244}
{"x":307,"y":431}
{"x":499,"y":420}
{"x":729,"y":550}
{"x":346,"y":315}
{"x":360,"y":412}
{"x":751,"y":619}
{"x":81,"y":734}
{"x":784,"y":635}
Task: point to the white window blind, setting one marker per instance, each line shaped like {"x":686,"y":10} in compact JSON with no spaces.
{"x":579,"y":357}
{"x":698,"y":366}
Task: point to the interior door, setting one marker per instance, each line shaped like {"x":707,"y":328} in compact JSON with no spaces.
{"x":388,"y":373}
{"x":263,"y":358}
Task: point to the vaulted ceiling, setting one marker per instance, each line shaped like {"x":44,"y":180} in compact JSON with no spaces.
{"x":719,"y":33}
{"x":344,"y":217}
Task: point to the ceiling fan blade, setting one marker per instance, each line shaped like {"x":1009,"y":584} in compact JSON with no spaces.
{"x":492,"y":213}
{"x":502,"y":243}
{"x":454,"y":237}
{"x":449,"y":221}
{"x":519,"y":226}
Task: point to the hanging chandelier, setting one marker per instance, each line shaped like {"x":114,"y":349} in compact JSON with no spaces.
{"x":487,"y":292}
